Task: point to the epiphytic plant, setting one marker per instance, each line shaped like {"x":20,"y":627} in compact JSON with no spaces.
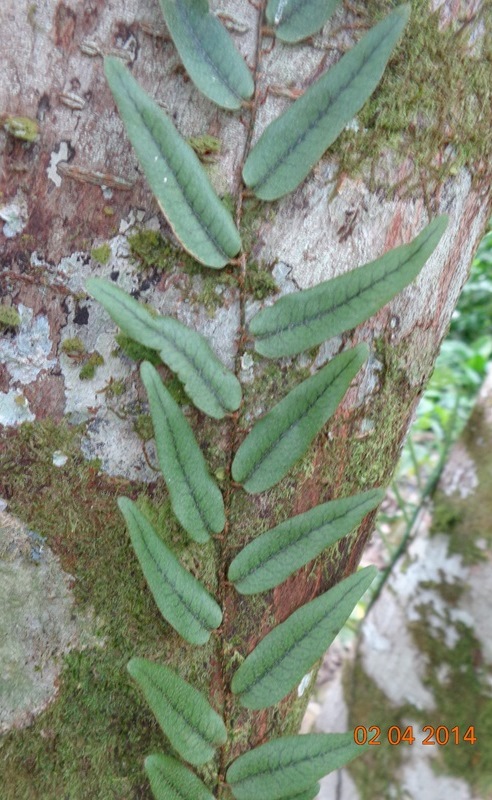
{"x":288,"y":766}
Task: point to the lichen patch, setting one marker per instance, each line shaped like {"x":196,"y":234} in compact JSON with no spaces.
{"x":38,"y":624}
{"x":26,"y":355}
{"x":460,"y":474}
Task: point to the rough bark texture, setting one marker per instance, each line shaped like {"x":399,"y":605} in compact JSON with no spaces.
{"x":425,"y":657}
{"x":72,"y":201}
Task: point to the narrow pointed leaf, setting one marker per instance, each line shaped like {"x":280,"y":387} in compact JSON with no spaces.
{"x":303,"y":320}
{"x":289,"y":764}
{"x":284,"y":434}
{"x":289,"y":651}
{"x":292,"y":144}
{"x":294,"y":20}
{"x":198,"y":218}
{"x":195,"y":497}
{"x":212,"y":388}
{"x":273,"y":556}
{"x":207,"y":52}
{"x":181,"y":599}
{"x":190,"y":723}
{"x":171,"y":780}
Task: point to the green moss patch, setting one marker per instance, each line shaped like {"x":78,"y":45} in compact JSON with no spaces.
{"x":136,"y":351}
{"x":73,"y":346}
{"x":9,"y":317}
{"x":433,"y":105}
{"x":259,"y":282}
{"x":462,"y":699}
{"x":150,"y":250}
{"x":206,"y":147}
{"x":91,"y":742}
{"x":88,"y":370}
{"x":23,"y":128}
{"x":101,"y":254}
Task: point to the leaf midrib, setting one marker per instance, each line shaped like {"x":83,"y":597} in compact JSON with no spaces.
{"x":181,"y":712}
{"x":175,"y":786}
{"x":170,"y":339}
{"x":191,"y":610}
{"x":292,"y":762}
{"x":183,"y":187}
{"x":196,"y":366}
{"x":296,"y":6}
{"x":286,"y":653}
{"x":331,"y":100}
{"x":307,"y":320}
{"x":177,"y":454}
{"x":188,"y":21}
{"x":150,"y":127}
{"x":295,"y":542}
{"x":254,"y":469}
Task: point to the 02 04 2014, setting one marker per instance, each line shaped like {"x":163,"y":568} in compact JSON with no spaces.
{"x":428,"y":735}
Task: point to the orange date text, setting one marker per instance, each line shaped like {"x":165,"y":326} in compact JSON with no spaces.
{"x":432,"y":735}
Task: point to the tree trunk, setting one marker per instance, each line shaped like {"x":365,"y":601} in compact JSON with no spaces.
{"x":74,"y":201}
{"x":424,"y":660}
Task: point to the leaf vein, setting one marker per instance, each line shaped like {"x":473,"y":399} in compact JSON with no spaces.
{"x":323,"y":111}
{"x":294,"y":542}
{"x":182,"y":712}
{"x":275,"y":662}
{"x":264,"y":455}
{"x":361,"y":289}
{"x":195,"y":613}
{"x":183,"y":186}
{"x":199,"y":43}
{"x":188,"y":482}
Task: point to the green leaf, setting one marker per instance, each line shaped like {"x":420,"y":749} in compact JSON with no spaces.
{"x":195,"y":498}
{"x":212,"y":388}
{"x":294,"y":20}
{"x":284,"y":434}
{"x":289,"y":651}
{"x":180,"y":598}
{"x":292,"y":144}
{"x":289,"y":764}
{"x":302,"y":320}
{"x":171,"y":780}
{"x":184,"y":714}
{"x":273,"y":556}
{"x":308,"y":794}
{"x":199,"y":220}
{"x":207,"y":52}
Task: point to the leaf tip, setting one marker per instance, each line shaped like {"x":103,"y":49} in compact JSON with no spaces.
{"x":124,"y":504}
{"x":132,"y":666}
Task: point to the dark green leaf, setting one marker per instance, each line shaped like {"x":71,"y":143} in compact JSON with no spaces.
{"x":192,"y":726}
{"x":207,"y":52}
{"x":212,"y":388}
{"x":199,"y":220}
{"x":171,"y":780}
{"x":289,"y":764}
{"x":284,"y":434}
{"x":297,"y":19}
{"x":289,"y":651}
{"x":272,"y":557}
{"x":195,"y":498}
{"x":292,"y":144}
{"x":302,"y":320}
{"x":180,"y":598}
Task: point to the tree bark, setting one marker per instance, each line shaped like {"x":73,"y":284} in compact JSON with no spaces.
{"x":419,"y":150}
{"x":424,"y":659}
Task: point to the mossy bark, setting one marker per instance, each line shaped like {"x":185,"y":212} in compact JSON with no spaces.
{"x":432,"y":664}
{"x":374,"y":190}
